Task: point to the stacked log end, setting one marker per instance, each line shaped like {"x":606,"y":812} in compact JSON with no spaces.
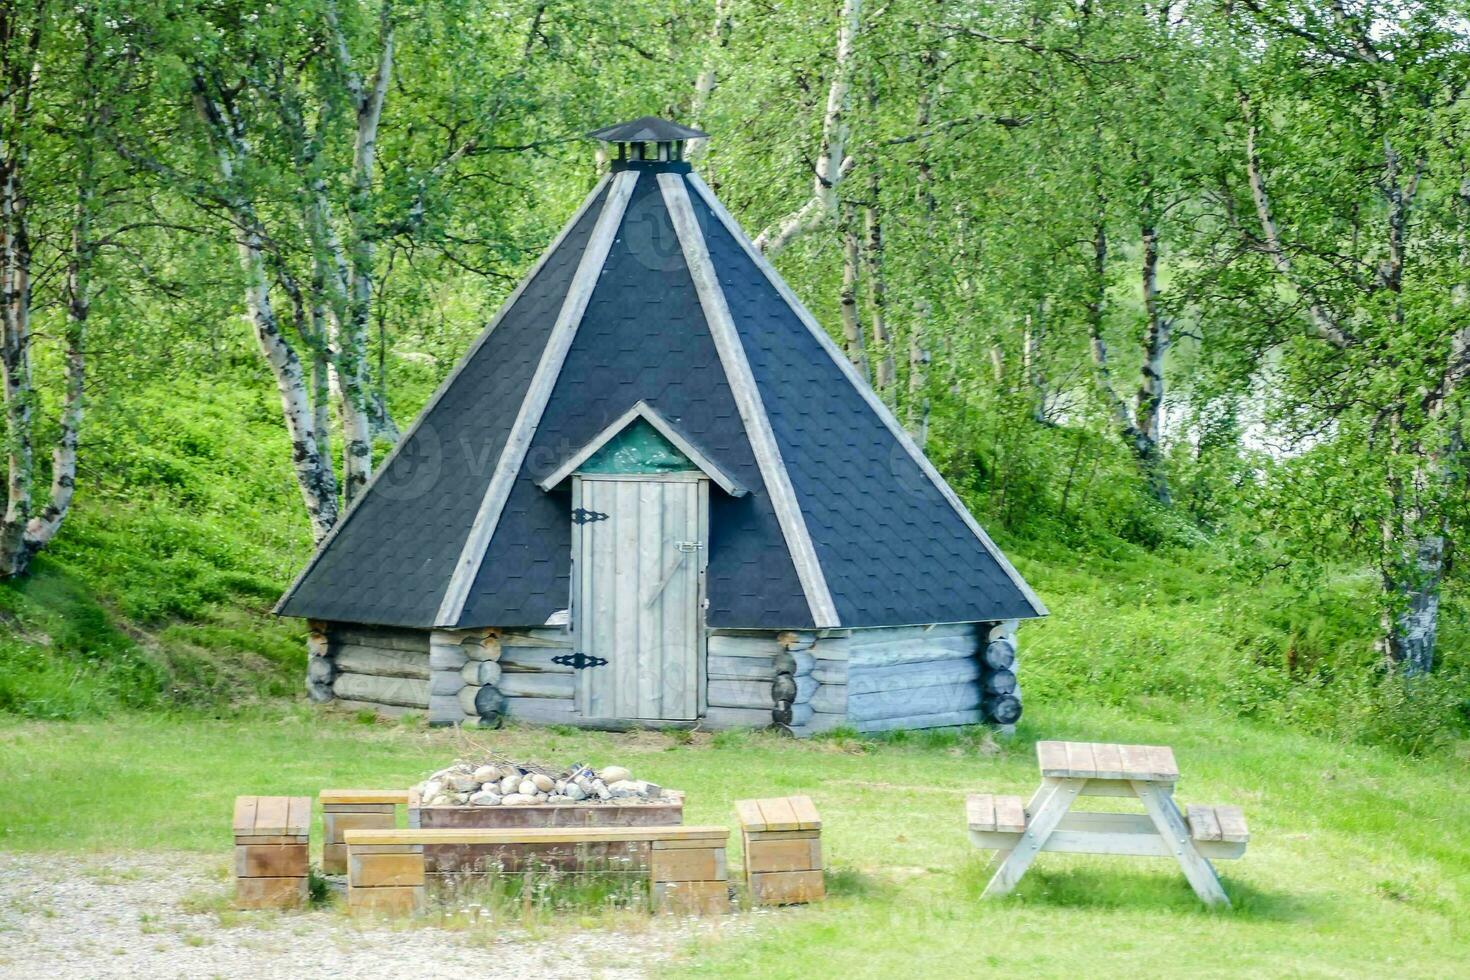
{"x":321,"y":670}
{"x":792,"y":685}
{"x":1002,"y":693}
{"x":465,"y":678}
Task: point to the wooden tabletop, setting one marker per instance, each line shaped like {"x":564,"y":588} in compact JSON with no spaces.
{"x":1100,"y":760}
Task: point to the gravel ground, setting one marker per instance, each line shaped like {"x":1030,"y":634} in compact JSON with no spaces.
{"x":142,"y":917}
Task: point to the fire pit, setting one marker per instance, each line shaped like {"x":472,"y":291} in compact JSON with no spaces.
{"x":503,"y":794}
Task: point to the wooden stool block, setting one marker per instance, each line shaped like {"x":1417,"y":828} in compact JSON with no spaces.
{"x":354,"y":809}
{"x":389,"y":900}
{"x":271,"y":843}
{"x":783,"y":850}
{"x":691,"y":897}
{"x":270,"y":893}
{"x":786,"y":887}
{"x":385,"y":879}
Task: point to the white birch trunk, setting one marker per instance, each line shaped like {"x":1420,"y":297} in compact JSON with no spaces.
{"x":314,"y":476}
{"x":832,"y":162}
{"x":357,"y":404}
{"x":887,"y":365}
{"x":708,"y":79}
{"x":15,"y":284}
{"x":852,"y":324}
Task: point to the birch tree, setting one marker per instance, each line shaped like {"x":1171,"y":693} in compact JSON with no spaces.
{"x":1360,"y":260}
{"x":832,"y":162}
{"x":51,"y":98}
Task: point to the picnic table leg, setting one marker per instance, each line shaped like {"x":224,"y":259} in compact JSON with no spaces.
{"x":1172,"y":828}
{"x":1048,"y":806}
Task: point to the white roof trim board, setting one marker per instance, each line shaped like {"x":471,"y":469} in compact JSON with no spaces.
{"x":508,"y":467}
{"x":444,"y":386}
{"x":748,"y":401}
{"x":874,"y":402}
{"x":645,"y":411}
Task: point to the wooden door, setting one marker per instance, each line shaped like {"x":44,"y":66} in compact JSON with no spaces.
{"x":639,"y":552}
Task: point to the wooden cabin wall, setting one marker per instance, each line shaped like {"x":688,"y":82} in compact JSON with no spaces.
{"x":756,"y":679}
{"x":870,"y":679}
{"x":379,"y":668}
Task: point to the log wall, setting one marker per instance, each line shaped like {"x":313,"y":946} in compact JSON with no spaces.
{"x":378,"y":668}
{"x":802,"y":681}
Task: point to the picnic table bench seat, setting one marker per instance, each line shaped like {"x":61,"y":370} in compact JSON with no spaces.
{"x":1217,"y":823}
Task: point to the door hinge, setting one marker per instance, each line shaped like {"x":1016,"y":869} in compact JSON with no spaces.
{"x":584,"y":516}
{"x":579,"y":660}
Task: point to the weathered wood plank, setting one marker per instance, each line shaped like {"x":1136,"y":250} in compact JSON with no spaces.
{"x":272,"y":816}
{"x":910,"y":652}
{"x":778,"y":814}
{"x":887,"y":634}
{"x":786,"y":887}
{"x":980,"y":811}
{"x":383,"y":662}
{"x":271,"y":861}
{"x":1135,"y":761}
{"x":1051,"y":756}
{"x":807,"y":817}
{"x":382,"y":638}
{"x":740,"y":694}
{"x":542,"y":711}
{"x":409,"y":692}
{"x":938,"y":699}
{"x":1010,"y":814}
{"x":717,"y":716}
{"x":790,"y":854}
{"x":1232,"y":824}
{"x":516,"y":659}
{"x":688,"y":864}
{"x":900,"y":677}
{"x":749,"y":647}
{"x":1202,"y":822}
{"x":947,"y":719}
{"x":244,"y":818}
{"x":1161,"y":761}
{"x":748,"y":812}
{"x":551,"y":636}
{"x":831,"y":699}
{"x":1079,"y":759}
{"x":537,"y":685}
{"x":1108,"y":761}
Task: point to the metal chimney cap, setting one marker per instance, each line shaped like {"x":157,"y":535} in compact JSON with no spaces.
{"x":646,"y":129}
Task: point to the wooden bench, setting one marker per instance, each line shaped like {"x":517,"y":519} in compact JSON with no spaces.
{"x":354,"y":809}
{"x":271,"y":842}
{"x":782,"y":843}
{"x":685,"y":867}
{"x":1018,"y":831}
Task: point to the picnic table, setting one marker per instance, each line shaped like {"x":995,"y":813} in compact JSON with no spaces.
{"x":1018,"y":833}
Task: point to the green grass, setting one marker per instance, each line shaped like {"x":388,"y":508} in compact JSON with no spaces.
{"x":1359,"y":864}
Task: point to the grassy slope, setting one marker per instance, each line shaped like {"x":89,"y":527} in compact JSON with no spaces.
{"x":1360,"y":862}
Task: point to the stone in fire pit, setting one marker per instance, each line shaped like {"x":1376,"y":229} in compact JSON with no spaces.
{"x":503,"y":783}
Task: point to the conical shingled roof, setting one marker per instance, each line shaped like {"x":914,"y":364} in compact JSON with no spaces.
{"x":653,"y":294}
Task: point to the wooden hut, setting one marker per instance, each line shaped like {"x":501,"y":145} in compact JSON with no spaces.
{"x":654,"y":492}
